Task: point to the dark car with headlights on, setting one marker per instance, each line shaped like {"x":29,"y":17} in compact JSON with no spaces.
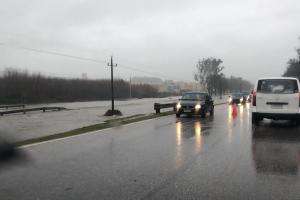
{"x":236,"y":98}
{"x":195,"y":103}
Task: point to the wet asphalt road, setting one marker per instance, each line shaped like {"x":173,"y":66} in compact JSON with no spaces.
{"x":220,"y":157}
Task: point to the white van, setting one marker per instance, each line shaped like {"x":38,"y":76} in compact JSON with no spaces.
{"x":276,"y":98}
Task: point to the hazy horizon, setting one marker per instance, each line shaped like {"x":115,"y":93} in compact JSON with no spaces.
{"x":166,"y":39}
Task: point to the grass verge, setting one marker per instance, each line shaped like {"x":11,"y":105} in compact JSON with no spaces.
{"x":106,"y":124}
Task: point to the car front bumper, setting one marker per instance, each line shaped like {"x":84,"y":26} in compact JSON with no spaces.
{"x":237,"y":101}
{"x":190,"y":111}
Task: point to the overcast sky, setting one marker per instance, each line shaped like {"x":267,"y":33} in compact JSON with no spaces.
{"x":254,"y":38}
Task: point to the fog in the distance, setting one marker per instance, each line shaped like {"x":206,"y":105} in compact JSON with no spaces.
{"x":253,"y":38}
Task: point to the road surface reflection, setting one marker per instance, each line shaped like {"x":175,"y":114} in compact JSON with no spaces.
{"x":276,"y":149}
{"x":190,"y":129}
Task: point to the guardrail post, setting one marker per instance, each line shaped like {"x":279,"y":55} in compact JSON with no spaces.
{"x":158,"y":106}
{"x":157,"y":110}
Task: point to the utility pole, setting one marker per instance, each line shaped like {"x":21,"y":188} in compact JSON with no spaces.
{"x":112,"y":65}
{"x":130,"y":95}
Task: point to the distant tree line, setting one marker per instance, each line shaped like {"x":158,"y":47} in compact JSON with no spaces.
{"x":22,"y":87}
{"x":237,"y":84}
{"x":293,"y":66}
{"x":209,"y":75}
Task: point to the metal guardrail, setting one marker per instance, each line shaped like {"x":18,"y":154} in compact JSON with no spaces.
{"x":12,"y":106}
{"x":159,"y":106}
{"x":44,"y":109}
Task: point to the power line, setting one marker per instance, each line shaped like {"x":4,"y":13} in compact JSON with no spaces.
{"x":140,"y":70}
{"x":157,"y":74}
{"x":147,"y":72}
{"x":57,"y":54}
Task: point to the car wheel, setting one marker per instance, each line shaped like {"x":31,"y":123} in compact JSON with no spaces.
{"x":203,"y":114}
{"x":212,"y":111}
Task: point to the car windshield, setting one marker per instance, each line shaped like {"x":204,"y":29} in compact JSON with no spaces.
{"x":149,"y":99}
{"x":278,"y":86}
{"x":193,"y":96}
{"x":237,"y":95}
{"x":245,"y":93}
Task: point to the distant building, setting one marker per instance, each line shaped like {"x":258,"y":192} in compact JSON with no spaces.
{"x":169,"y":86}
{"x":146,"y":80}
{"x":84,"y":76}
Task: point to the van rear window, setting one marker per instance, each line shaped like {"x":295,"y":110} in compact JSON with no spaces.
{"x":277,"y":86}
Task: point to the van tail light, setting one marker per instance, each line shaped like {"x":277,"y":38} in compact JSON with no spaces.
{"x":254,"y":98}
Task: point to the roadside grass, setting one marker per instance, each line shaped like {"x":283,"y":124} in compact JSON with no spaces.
{"x":104,"y":125}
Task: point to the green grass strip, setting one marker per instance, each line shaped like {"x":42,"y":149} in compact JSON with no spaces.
{"x":106,"y":124}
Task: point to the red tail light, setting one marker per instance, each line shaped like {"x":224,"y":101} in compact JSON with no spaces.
{"x":254,"y":98}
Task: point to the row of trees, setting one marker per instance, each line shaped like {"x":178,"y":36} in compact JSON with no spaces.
{"x":293,"y":66}
{"x":209,"y":75}
{"x":23,"y":87}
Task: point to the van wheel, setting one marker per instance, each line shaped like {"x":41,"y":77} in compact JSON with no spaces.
{"x":256,"y":118}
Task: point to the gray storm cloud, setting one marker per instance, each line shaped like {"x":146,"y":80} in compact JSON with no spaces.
{"x":253,"y":38}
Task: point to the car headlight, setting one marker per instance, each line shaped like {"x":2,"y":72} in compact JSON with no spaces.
{"x":241,"y":99}
{"x":178,"y":106}
{"x":197,"y":107}
{"x":229,"y":99}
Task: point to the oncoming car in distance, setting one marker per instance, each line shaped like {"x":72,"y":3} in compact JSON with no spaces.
{"x":246,"y":96}
{"x":195,"y":103}
{"x":236,"y":98}
{"x":276,"y":98}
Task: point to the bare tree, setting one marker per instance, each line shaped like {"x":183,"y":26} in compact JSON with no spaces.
{"x":209,"y":74}
{"x":293,"y":67}
{"x":22,"y":87}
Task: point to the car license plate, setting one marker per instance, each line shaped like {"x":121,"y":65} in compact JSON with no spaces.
{"x":276,"y":106}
